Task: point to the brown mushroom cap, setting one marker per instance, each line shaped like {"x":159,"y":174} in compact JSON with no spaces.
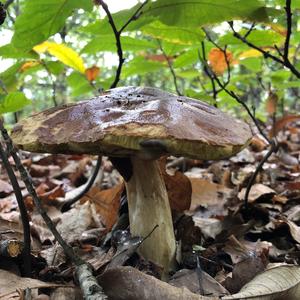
{"x":125,"y":121}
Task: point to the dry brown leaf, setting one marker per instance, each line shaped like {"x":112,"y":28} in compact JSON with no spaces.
{"x":75,"y":221}
{"x":5,"y":188}
{"x":293,"y":186}
{"x":282,"y":122}
{"x":92,"y":73}
{"x":294,"y":229}
{"x":107,"y":203}
{"x":189,"y":279}
{"x":257,"y":191}
{"x":158,"y":57}
{"x":208,"y":194}
{"x":11,"y":283}
{"x":129,"y":283}
{"x":271,"y":103}
{"x":179,"y":189}
{"x":217,"y":60}
{"x":258,"y":144}
{"x":281,"y":282}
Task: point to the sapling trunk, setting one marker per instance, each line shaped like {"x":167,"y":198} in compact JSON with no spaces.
{"x":149,"y":206}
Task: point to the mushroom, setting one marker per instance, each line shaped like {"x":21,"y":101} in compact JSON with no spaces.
{"x":135,"y":126}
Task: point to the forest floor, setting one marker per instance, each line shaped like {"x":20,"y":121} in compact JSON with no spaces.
{"x":221,"y":245}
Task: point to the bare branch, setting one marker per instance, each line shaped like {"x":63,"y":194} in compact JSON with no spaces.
{"x":170,"y":67}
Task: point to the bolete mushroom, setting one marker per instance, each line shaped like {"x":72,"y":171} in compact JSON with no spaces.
{"x":136,"y":125}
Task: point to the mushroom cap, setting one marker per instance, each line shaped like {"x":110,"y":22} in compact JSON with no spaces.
{"x":132,"y":121}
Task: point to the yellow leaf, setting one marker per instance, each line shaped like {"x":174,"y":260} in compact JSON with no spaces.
{"x":250,"y":53}
{"x":63,"y":53}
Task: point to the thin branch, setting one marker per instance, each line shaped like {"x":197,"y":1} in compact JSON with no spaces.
{"x":273,"y":149}
{"x":118,"y":43}
{"x":285,"y":62}
{"x":53,"y":84}
{"x":289,"y":30}
{"x":170,"y":67}
{"x":8,"y":3}
{"x":135,"y":16}
{"x":23,"y":212}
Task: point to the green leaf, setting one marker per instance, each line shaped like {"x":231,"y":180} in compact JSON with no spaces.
{"x":188,"y":58}
{"x":286,"y":85}
{"x":188,"y":13}
{"x":102,"y":27}
{"x":13,"y":102}
{"x":140,"y":66}
{"x":41,"y":19}
{"x":259,"y":38}
{"x":9,"y":76}
{"x":79,"y":84}
{"x":55,"y":67}
{"x":9,"y":51}
{"x":173,"y":34}
{"x":189,"y":74}
{"x":108,"y":43}
{"x":252,"y":63}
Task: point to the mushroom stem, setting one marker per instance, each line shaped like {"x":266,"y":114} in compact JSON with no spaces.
{"x":149,"y":206}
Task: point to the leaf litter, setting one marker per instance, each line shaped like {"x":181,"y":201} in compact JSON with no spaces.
{"x":224,"y":251}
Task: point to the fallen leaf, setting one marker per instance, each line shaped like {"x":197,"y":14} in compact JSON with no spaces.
{"x":107,"y":203}
{"x":281,"y":282}
{"x":271,"y":103}
{"x":5,"y":188}
{"x":209,"y":195}
{"x":11,"y":283}
{"x":282,"y":122}
{"x":189,"y":279}
{"x":129,"y":283}
{"x":179,"y":189}
{"x":257,"y":191}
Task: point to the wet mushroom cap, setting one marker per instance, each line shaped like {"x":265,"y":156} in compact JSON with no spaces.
{"x":126,"y":121}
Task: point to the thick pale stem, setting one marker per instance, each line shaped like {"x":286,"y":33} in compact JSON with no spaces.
{"x":149,"y":206}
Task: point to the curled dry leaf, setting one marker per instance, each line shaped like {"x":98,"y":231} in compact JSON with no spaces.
{"x":11,"y":283}
{"x":129,"y":283}
{"x":190,"y":280}
{"x":107,"y":203}
{"x":179,"y":189}
{"x":257,"y":191}
{"x":281,"y":282}
{"x":282,"y":122}
{"x":210,"y":195}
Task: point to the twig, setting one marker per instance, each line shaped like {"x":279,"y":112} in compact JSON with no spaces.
{"x":22,"y":209}
{"x":274,"y":147}
{"x":117,"y":34}
{"x":273,"y":143}
{"x":284,"y":60}
{"x":8,"y":3}
{"x":90,"y":288}
{"x":288,"y":13}
{"x":170,"y":67}
{"x":52,"y":83}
